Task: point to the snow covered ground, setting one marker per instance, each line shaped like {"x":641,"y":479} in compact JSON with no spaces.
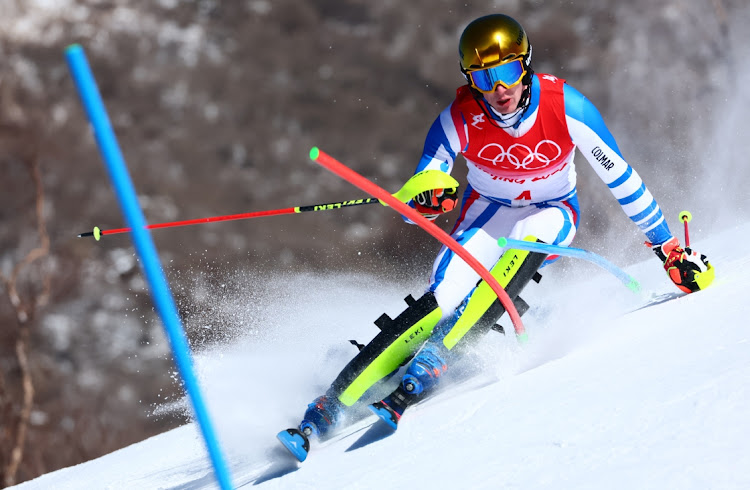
{"x":603,"y":397}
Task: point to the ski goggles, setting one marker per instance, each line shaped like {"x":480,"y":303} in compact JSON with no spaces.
{"x":508,"y":75}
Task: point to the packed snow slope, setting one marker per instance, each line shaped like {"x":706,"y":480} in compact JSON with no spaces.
{"x":605,"y":395}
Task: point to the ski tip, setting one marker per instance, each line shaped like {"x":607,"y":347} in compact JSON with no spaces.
{"x":295,"y":442}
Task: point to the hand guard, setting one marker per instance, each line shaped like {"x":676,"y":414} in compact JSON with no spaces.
{"x":435,"y":202}
{"x":688,"y":269}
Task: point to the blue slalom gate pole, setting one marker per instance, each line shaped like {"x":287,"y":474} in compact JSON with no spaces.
{"x":160,"y":293}
{"x":578,"y":253}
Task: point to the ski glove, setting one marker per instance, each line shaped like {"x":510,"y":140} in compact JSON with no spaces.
{"x":688,"y":269}
{"x":435,"y":202}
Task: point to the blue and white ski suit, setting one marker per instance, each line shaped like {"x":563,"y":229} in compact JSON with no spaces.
{"x":522,"y":178}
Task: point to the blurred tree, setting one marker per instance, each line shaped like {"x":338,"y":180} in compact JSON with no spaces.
{"x":26,"y":288}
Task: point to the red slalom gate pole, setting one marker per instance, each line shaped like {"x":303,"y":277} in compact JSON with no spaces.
{"x":374,"y":190}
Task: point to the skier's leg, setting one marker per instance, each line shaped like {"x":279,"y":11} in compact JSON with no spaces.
{"x":481,"y":308}
{"x":469,"y":322}
{"x":480,"y":225}
{"x":451,"y":281}
{"x":401,"y":337}
{"x":396,"y":343}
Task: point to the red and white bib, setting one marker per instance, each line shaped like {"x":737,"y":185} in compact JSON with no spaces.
{"x":544,"y":149}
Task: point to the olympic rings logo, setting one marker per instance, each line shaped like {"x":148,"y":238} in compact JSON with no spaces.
{"x":521,"y":157}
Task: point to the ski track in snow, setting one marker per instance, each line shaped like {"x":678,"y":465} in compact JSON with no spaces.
{"x":604,"y":396}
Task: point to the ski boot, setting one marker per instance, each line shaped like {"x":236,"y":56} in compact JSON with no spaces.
{"x":390,"y":408}
{"x":422,"y":374}
{"x":321,"y":417}
{"x":424,"y":371}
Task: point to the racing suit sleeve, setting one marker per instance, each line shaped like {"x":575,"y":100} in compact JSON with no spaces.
{"x":590,"y":134}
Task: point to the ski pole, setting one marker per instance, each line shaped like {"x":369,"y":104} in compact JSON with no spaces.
{"x":705,"y":278}
{"x":418,"y":183}
{"x":686,"y":217}
{"x":98,"y":233}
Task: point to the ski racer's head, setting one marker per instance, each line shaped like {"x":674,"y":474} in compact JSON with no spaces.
{"x":495,"y":58}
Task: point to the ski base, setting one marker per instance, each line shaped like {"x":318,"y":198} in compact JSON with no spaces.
{"x":295,"y":442}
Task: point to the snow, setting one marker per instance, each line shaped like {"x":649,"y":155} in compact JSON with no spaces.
{"x":602,"y":397}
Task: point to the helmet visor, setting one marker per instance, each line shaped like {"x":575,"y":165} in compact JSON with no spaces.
{"x":508,"y":75}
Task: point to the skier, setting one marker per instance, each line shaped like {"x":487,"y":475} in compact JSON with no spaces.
{"x":517,"y":132}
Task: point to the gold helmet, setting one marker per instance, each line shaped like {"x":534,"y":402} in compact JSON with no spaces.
{"x":489,"y":42}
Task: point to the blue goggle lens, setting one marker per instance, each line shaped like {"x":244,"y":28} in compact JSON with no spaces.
{"x":507,"y":75}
